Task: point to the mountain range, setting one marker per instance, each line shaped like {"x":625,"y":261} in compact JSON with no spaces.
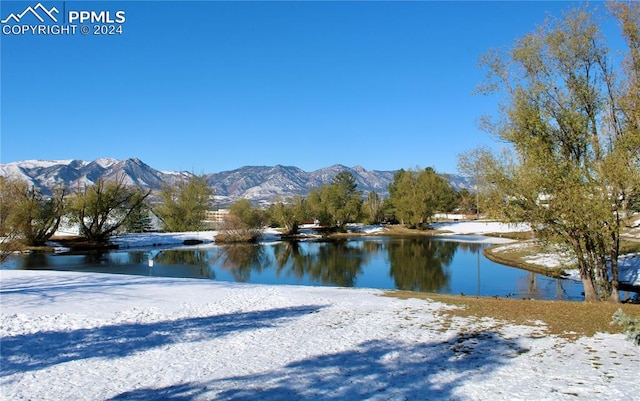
{"x":258,"y":183}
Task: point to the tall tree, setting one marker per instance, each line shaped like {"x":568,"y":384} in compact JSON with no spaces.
{"x":249,"y":214}
{"x":373,"y":208}
{"x":289,"y":214}
{"x":102,"y":208}
{"x":37,"y":217}
{"x":30,"y":215}
{"x":338,"y":203}
{"x":573,"y":126}
{"x":184,"y":205}
{"x":417,"y":195}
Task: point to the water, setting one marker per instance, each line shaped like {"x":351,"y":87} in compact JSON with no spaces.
{"x":443,"y":265}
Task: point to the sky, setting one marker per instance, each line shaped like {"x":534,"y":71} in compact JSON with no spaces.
{"x":209,"y":86}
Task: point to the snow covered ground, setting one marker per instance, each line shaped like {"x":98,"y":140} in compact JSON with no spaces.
{"x":77,"y":336}
{"x":86,"y":336}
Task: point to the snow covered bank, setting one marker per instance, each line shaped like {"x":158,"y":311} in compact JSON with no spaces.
{"x":162,"y":239}
{"x":532,"y":253}
{"x":480,"y":227}
{"x":95,"y":337}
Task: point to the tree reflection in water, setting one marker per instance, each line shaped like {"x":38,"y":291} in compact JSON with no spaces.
{"x":196,"y":258}
{"x":240,"y":259}
{"x":419,"y":265}
{"x":337,"y":263}
{"x":531,"y":287}
{"x":290,"y":259}
{"x":35,"y":261}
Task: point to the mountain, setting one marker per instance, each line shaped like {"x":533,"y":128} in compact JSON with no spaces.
{"x":257,"y":183}
{"x":269,"y":182}
{"x":75,"y":173}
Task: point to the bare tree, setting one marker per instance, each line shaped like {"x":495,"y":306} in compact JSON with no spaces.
{"x":100,"y":209}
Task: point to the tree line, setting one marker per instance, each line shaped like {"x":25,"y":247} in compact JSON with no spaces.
{"x":414,"y":197}
{"x":109,"y":207}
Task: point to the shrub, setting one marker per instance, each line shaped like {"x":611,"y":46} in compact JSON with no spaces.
{"x":233,"y":229}
{"x":630,"y":325}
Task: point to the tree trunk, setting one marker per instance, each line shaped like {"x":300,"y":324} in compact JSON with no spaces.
{"x":614,"y":252}
{"x":586,"y":272}
{"x":590,"y":294}
{"x":615,"y":284}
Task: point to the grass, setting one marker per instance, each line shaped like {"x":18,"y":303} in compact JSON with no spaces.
{"x":628,"y":246}
{"x":515,"y":255}
{"x":562,"y":318}
{"x":401,"y":230}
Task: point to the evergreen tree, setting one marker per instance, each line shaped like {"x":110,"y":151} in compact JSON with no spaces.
{"x":139,"y":220}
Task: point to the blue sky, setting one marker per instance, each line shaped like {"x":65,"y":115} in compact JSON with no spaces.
{"x":212,"y":86}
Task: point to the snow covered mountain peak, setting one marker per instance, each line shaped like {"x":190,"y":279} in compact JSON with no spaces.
{"x":257,"y":183}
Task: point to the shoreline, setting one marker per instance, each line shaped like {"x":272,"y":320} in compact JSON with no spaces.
{"x":443,"y":229}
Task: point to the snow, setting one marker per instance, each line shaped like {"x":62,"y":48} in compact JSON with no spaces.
{"x":105,"y":337}
{"x":480,"y":227}
{"x":106,"y":162}
{"x":553,"y":257}
{"x":144,"y":240}
{"x":89,"y":336}
{"x":628,"y":270}
{"x":40,"y":163}
{"x":366,"y":228}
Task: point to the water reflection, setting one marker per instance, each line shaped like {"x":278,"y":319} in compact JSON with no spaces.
{"x":337,"y":263}
{"x":538,"y":287}
{"x":166,"y":263}
{"x":416,"y":264}
{"x":198,"y":260}
{"x":291,"y":259}
{"x":241,"y":259}
{"x":36,"y":261}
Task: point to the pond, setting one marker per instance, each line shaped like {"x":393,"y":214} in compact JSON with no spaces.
{"x":426,"y":264}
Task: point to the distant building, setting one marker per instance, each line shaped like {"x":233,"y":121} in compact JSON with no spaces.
{"x":216,"y":216}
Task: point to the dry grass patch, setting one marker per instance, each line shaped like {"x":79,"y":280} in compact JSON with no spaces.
{"x":531,"y":256}
{"x":563,"y":318}
{"x":629,"y":246}
{"x":398,"y":229}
